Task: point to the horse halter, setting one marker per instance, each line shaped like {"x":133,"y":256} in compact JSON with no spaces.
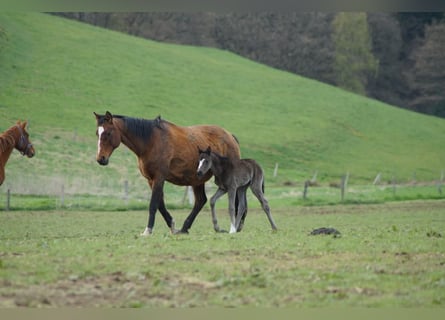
{"x":22,"y":143}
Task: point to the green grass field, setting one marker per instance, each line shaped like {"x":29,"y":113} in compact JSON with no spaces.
{"x":56,"y":72}
{"x":81,"y":247}
{"x":389,"y":255}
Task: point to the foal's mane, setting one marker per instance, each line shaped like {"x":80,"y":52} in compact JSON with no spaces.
{"x":142,"y":128}
{"x":224,"y":161}
{"x":6,"y":140}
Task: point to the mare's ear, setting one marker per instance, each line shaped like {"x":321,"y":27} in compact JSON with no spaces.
{"x":24,"y":124}
{"x":158,"y":122}
{"x":108,"y":117}
{"x":97,"y":116}
{"x":208,"y":150}
{"x":199,"y":150}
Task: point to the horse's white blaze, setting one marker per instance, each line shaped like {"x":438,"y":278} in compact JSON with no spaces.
{"x":100,"y":130}
{"x":201,"y":163}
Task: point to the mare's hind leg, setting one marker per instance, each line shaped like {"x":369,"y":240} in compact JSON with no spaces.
{"x":213,"y":199}
{"x":242,"y":207}
{"x":167,"y":216}
{"x":257,"y":189}
{"x":200,"y":200}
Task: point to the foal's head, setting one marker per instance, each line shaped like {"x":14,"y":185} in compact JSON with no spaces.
{"x":108,"y":135}
{"x":22,"y":143}
{"x":205,"y":161}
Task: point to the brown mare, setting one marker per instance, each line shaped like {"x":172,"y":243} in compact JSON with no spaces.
{"x":165,"y":152}
{"x":14,"y":137}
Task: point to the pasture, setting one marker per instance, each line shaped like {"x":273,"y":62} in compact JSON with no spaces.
{"x":72,"y":238}
{"x":388,"y":255}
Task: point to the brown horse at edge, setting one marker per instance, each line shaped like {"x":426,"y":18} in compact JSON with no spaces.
{"x":15,"y":137}
{"x":165,"y":152}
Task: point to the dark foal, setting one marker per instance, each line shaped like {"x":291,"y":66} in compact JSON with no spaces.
{"x":234,"y":177}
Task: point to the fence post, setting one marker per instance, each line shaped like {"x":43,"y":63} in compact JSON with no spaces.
{"x":439,"y":184}
{"x":377,"y":178}
{"x":394,"y":182}
{"x":314,"y":177}
{"x":344,"y":184}
{"x":62,"y":196}
{"x":191,"y":195}
{"x":306,"y":186}
{"x":188,"y":192}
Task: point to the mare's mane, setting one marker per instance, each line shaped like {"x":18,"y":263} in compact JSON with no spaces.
{"x":142,"y":128}
{"x":6,"y":140}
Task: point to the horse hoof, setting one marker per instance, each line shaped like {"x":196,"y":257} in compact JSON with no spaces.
{"x":147,"y":232}
{"x":181,"y":232}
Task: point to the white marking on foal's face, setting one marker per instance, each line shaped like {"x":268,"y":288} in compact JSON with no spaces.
{"x":201,"y":162}
{"x":100,"y":130}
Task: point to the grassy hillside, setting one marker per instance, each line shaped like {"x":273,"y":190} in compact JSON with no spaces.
{"x":56,"y":72}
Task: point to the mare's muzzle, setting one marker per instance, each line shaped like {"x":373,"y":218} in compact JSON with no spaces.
{"x":102,"y":161}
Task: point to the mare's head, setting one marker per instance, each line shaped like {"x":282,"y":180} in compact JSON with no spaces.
{"x":23,"y":144}
{"x":205,"y":162}
{"x":108,"y":135}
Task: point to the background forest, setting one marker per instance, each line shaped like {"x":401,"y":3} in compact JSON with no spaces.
{"x":398,"y":58}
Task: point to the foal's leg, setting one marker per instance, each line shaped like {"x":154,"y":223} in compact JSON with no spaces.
{"x":200,"y":200}
{"x":232,"y":210}
{"x":242,"y":207}
{"x":213,"y":199}
{"x":257,"y":189}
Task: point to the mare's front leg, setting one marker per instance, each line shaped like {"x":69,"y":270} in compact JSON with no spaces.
{"x":157,"y":194}
{"x":2,"y":173}
{"x":167,"y":216}
{"x":213,"y":199}
{"x":200,"y":200}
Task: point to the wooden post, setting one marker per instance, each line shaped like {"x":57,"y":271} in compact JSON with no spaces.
{"x":62,"y":196}
{"x":314,"y":177}
{"x":188,"y":192}
{"x":439,"y":184}
{"x":394,"y":182}
{"x":377,"y":178}
{"x":344,"y":184}
{"x":191,"y":195}
{"x":8,"y":199}
{"x":185,"y":195}
{"x":275,"y":171}
{"x":306,"y":186}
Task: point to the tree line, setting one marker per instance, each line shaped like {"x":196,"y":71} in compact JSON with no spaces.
{"x":397,"y":58}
